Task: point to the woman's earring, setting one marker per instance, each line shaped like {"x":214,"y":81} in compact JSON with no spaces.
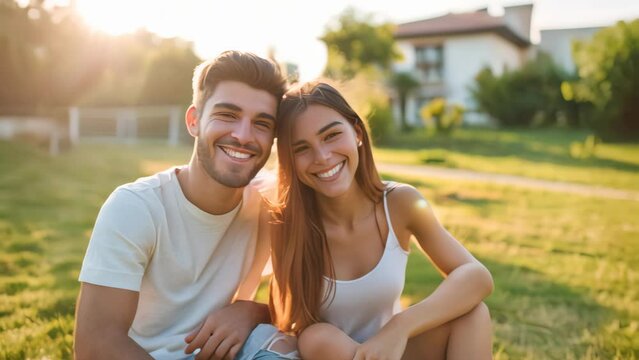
{"x":359,"y":143}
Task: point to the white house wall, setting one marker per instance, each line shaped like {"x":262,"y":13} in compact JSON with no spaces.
{"x":464,"y":56}
{"x":407,"y":63}
{"x":558,"y":44}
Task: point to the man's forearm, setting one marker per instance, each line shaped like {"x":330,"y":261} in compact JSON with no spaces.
{"x":261,"y":312}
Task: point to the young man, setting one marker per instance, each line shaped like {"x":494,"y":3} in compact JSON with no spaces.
{"x":174,"y":258}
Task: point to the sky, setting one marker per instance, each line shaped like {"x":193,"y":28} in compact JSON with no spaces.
{"x":292,"y":27}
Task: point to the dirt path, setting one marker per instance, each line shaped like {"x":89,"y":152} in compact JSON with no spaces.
{"x":556,"y":186}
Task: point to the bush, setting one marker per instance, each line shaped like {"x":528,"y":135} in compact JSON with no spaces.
{"x":609,"y":80}
{"x":523,"y":97}
{"x":369,"y":98}
{"x":445,"y":117}
{"x":380,"y":122}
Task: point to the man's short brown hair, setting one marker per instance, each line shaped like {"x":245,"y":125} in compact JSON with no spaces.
{"x":248,"y":68}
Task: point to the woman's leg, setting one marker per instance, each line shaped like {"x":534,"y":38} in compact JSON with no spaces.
{"x":324,"y":341}
{"x":429,"y":345}
{"x":466,"y":337}
{"x":472,"y":335}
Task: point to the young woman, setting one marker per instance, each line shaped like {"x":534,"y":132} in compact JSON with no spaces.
{"x":340,"y":246}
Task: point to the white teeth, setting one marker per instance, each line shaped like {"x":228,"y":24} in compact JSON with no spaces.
{"x":236,"y":154}
{"x":331,"y":172}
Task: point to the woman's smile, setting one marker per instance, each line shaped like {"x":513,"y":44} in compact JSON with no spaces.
{"x":331,"y":173}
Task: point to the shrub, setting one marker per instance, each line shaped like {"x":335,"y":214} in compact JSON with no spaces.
{"x":445,"y":117}
{"x":523,"y":97}
{"x":380,"y":122}
{"x":369,"y":98}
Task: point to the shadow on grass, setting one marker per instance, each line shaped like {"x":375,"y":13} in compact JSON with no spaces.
{"x":527,"y":147}
{"x":531,"y":313}
{"x":478,"y":202}
{"x":416,"y":182}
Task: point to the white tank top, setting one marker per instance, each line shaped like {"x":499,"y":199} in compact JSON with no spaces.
{"x":362,"y":306}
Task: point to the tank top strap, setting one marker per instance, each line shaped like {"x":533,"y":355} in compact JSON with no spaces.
{"x":390,"y":186}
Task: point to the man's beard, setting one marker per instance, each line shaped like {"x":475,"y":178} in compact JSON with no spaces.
{"x":226,"y":177}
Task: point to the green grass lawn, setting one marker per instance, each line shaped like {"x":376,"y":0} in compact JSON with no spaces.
{"x":542,"y":153}
{"x":566,"y":268}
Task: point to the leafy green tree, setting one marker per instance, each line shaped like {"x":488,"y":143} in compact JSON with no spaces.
{"x":126,"y":58}
{"x":72,"y":63}
{"x":144,"y":69}
{"x":608,"y":66}
{"x":168,"y":76}
{"x":15,"y":57}
{"x":522,"y":97}
{"x":51,"y":59}
{"x":404,"y":83}
{"x":46,"y":59}
{"x":355,"y":42}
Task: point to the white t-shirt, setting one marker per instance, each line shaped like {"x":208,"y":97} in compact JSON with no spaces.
{"x":183,"y":261}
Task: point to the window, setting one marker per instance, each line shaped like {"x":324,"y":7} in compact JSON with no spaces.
{"x":429,"y":61}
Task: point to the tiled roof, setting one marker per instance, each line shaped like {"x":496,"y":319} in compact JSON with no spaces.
{"x":463,"y":23}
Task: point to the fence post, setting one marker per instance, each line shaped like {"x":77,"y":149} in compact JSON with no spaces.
{"x":120,"y":125}
{"x":54,"y":142}
{"x":174,"y":126}
{"x":74,"y":125}
{"x":132,"y":121}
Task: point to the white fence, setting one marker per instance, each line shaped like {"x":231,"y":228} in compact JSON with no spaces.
{"x":125,"y":124}
{"x":98,"y":124}
{"x":42,"y":128}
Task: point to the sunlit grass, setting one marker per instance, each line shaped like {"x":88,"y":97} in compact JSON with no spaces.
{"x":543,"y":154}
{"x":47,"y":209}
{"x":566,"y":268}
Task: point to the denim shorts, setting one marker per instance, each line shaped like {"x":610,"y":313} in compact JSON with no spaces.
{"x":258,"y":344}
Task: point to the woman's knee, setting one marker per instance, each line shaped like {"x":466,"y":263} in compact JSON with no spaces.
{"x":479,"y":315}
{"x":315,"y":337}
{"x":481,"y":311}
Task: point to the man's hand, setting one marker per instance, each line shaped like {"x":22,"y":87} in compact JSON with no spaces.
{"x":224,"y":331}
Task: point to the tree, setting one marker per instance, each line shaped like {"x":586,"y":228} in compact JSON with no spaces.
{"x":608,"y":66}
{"x":51,"y":59}
{"x":46,"y":59}
{"x":143,"y":68}
{"x":15,"y":57}
{"x":355,"y":43}
{"x":168,"y":76}
{"x":404,"y":83}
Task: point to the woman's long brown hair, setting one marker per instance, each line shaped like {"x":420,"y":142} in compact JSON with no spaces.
{"x":300,"y":251}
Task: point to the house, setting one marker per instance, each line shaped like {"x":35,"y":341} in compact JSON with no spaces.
{"x":445,"y":53}
{"x":558,"y":44}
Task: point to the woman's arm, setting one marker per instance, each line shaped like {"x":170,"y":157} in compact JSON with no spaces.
{"x":466,"y":281}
